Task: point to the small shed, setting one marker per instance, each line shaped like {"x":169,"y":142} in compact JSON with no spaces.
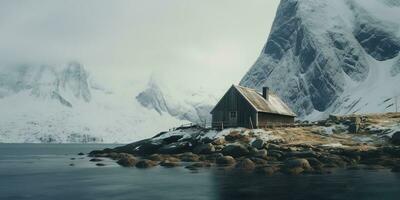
{"x":245,"y":107}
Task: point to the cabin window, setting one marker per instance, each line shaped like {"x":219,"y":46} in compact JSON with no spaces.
{"x":233,"y":114}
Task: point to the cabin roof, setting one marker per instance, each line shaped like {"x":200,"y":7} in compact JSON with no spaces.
{"x":273,"y":105}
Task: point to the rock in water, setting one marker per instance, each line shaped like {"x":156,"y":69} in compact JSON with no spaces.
{"x":95,"y":160}
{"x":189,"y":157}
{"x":246,"y":164}
{"x":235,"y":150}
{"x":396,"y":138}
{"x":128,"y":161}
{"x":169,"y":164}
{"x":145,"y":164}
{"x":225,"y":160}
{"x":296,"y":166}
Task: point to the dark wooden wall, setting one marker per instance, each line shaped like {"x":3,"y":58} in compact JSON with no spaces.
{"x":233,"y":101}
{"x":268,"y":119}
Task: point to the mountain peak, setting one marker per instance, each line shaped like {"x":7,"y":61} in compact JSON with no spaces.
{"x":318,"y":48}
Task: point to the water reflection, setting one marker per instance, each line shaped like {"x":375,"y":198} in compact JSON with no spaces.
{"x":341,"y":184}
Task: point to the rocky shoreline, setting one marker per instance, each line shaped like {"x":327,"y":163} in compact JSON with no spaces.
{"x":351,"y":142}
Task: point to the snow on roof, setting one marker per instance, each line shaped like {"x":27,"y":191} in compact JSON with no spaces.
{"x":273,"y":105}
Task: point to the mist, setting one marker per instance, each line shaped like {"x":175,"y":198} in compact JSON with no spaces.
{"x":193,"y":44}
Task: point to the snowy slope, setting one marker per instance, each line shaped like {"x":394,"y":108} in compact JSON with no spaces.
{"x":326,"y":56}
{"x":63,"y":104}
{"x":193,"y":105}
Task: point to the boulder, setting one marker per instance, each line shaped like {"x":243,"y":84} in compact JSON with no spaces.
{"x":189,"y":157}
{"x":315,"y":163}
{"x":156,"y":157}
{"x":197,"y":165}
{"x":259,"y":161}
{"x":213,"y":157}
{"x":246,"y":164}
{"x":128,"y":161}
{"x":81,"y":154}
{"x":331,"y":160}
{"x":276,"y":154}
{"x":172,"y":159}
{"x":145,"y":164}
{"x":204,"y":149}
{"x":169,"y":164}
{"x":258,"y":143}
{"x":235,"y":150}
{"x":176,"y":148}
{"x":297,"y":162}
{"x":396,"y":138}
{"x":336,"y":119}
{"x":233,"y":136}
{"x":117,"y":156}
{"x":219,"y":141}
{"x":266,"y":170}
{"x":294,"y":170}
{"x":261,"y":154}
{"x":225,"y":160}
{"x":95,"y":160}
{"x":296,"y":166}
{"x":100,"y":164}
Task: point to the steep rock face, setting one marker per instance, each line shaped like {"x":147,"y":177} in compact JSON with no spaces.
{"x":153,"y":98}
{"x":193,"y":106}
{"x":63,"y":85}
{"x":316,"y":48}
{"x":75,"y":78}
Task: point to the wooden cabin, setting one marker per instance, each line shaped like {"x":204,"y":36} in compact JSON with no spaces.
{"x":245,"y":107}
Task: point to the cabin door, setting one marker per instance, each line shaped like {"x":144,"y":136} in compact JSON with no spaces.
{"x":233,"y":118}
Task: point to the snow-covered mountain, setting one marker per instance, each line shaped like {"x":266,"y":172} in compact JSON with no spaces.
{"x":190,"y":105}
{"x":64,"y":104}
{"x":325,"y":56}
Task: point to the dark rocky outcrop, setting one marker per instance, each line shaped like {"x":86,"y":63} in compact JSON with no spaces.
{"x":145,"y":164}
{"x":204,"y":149}
{"x":225,"y":160}
{"x":296,"y":166}
{"x":128,"y":161}
{"x":396,"y":138}
{"x":246,"y":164}
{"x":235,"y":150}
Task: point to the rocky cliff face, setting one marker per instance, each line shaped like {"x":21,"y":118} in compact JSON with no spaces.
{"x":193,"y":106}
{"x":63,"y":85}
{"x":318,"y":50}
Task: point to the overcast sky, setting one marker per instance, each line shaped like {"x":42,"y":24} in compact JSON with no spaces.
{"x":196,"y":43}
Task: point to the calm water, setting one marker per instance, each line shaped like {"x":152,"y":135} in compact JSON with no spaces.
{"x":42,"y":171}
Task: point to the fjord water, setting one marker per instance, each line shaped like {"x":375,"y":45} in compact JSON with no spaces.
{"x":42,"y":171}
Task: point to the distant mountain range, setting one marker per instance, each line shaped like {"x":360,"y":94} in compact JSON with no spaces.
{"x":64,"y":104}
